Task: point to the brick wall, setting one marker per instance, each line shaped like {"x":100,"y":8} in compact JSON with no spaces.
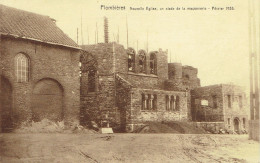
{"x":1,"y":66}
{"x":46,"y":62}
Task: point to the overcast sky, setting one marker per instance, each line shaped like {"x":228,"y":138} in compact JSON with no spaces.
{"x":215,"y":42}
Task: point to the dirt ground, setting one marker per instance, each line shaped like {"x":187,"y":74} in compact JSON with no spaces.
{"x":159,"y":148}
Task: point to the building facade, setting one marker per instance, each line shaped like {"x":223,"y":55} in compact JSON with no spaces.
{"x":45,"y":75}
{"x":39,"y":70}
{"x":221,"y":103}
{"x":131,"y":87}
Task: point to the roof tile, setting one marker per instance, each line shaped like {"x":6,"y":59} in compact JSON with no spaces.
{"x":32,"y":26}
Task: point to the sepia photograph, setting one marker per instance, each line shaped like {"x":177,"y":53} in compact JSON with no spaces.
{"x":135,"y":81}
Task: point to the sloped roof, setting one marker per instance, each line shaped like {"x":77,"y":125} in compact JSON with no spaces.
{"x":28,"y":25}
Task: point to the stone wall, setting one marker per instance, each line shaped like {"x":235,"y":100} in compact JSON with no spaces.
{"x":123,"y":102}
{"x":140,"y":116}
{"x":142,"y":80}
{"x":207,"y":113}
{"x":230,"y":106}
{"x":175,"y":71}
{"x":104,"y":56}
{"x":238,"y":101}
{"x":182,"y":77}
{"x":162,"y":66}
{"x":213,"y":127}
{"x":46,"y":62}
{"x":101,"y":104}
{"x":238,"y":109}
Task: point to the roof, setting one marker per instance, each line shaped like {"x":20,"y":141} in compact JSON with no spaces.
{"x":28,"y":25}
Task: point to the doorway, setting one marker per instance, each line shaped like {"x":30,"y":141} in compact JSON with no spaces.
{"x":7,"y":103}
{"x":236,"y":125}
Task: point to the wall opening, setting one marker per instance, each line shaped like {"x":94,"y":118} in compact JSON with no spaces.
{"x":92,"y":73}
{"x":47,"y":100}
{"x":142,"y":61}
{"x":229,"y":101}
{"x":236,"y":125}
{"x":154,"y":102}
{"x":131,"y":59}
{"x":7,"y":103}
{"x":153,"y":63}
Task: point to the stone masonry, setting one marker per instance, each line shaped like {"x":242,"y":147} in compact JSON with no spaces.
{"x":130,"y":97}
{"x":221,"y":103}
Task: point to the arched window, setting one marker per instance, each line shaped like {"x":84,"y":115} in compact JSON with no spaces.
{"x":244,"y":123}
{"x":154,"y":102}
{"x":131,"y":59}
{"x":144,"y":102}
{"x":167,"y":103}
{"x":172,"y":107}
{"x":153,"y":64}
{"x":177,"y":103}
{"x":92,"y":79}
{"x":22,"y":68}
{"x":142,"y":61}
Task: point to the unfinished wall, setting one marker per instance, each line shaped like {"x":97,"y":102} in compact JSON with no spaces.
{"x":162,"y":67}
{"x":226,"y":102}
{"x":101,"y":103}
{"x":208,"y":112}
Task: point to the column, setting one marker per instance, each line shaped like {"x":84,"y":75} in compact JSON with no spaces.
{"x":145,"y":102}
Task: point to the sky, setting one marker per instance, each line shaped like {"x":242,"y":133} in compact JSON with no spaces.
{"x":214,"y":41}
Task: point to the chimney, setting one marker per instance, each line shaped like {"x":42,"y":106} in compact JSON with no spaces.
{"x":106,"y":30}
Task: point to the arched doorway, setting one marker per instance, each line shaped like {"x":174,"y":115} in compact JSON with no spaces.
{"x":236,"y":125}
{"x":47,"y":100}
{"x":7,"y":103}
